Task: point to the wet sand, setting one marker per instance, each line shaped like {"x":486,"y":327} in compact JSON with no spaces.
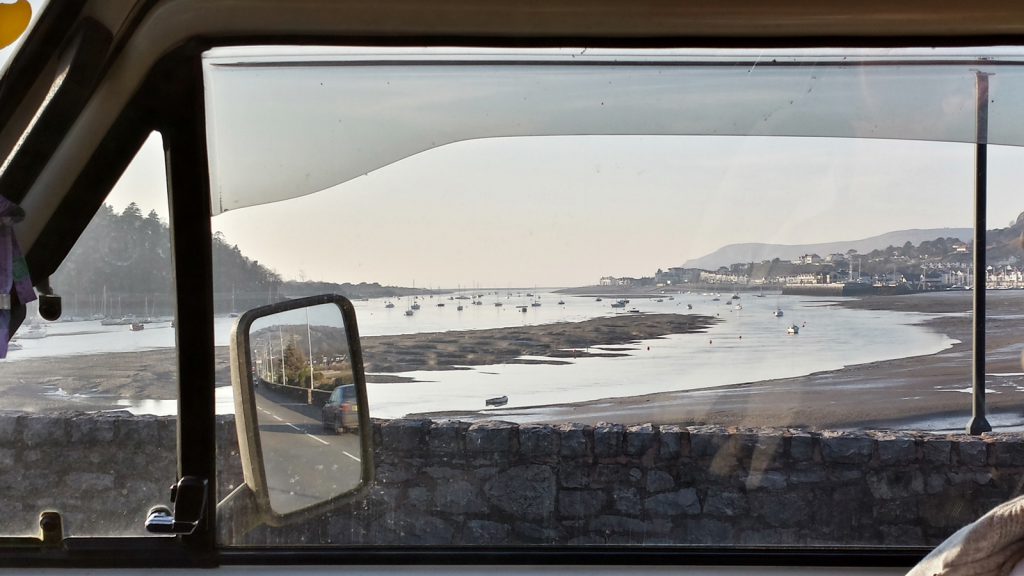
{"x":97,"y":382}
{"x":557,"y":343}
{"x":895,"y":393}
{"x":908,"y":392}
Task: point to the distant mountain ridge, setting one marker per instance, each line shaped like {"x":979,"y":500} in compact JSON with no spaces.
{"x":757,"y":252}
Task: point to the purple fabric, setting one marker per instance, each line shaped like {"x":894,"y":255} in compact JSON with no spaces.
{"x":14,"y":277}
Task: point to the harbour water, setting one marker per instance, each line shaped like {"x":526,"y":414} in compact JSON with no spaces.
{"x":748,"y":344}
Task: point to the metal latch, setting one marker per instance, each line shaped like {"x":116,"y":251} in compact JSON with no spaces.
{"x":189,"y":498}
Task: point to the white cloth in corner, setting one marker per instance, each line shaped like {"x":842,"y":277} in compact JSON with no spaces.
{"x":991,"y":545}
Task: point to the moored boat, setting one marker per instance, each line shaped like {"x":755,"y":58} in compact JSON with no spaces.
{"x":496,"y":401}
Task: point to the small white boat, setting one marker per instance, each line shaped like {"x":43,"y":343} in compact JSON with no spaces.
{"x":777,"y":313}
{"x":440,"y":304}
{"x":793,"y":330}
{"x":497,"y":303}
{"x":634,"y":310}
{"x":409,"y":312}
{"x":738,"y":307}
{"x":689,"y":306}
{"x":497,"y":401}
{"x":137,"y":327}
{"x":459,"y":308}
{"x":561,"y":302}
{"x":619,"y":304}
{"x":389,"y":305}
{"x":415,"y":306}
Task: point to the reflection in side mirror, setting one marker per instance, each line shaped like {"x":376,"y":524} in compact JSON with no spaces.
{"x":300,"y":405}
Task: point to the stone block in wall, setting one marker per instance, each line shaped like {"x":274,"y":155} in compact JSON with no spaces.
{"x":845,"y":449}
{"x":447,"y":436}
{"x":973,"y":452}
{"x":532,"y":533}
{"x":768,"y":451}
{"x":640,"y":439}
{"x":766,"y":480}
{"x":458,"y":497}
{"x":673,"y":442}
{"x":659,"y":481}
{"x":44,"y":430}
{"x":801,"y":447}
{"x":420,"y":498}
{"x":615,"y":475}
{"x":936,"y":451}
{"x":574,"y":475}
{"x":934,"y":482}
{"x":9,"y":434}
{"x":525,"y":491}
{"x":538,"y":441}
{"x":397,"y":472}
{"x":904,"y":535}
{"x":781,"y":509}
{"x":950,"y":509}
{"x":675,"y":503}
{"x":574,"y":441}
{"x":1006,"y":450}
{"x":608,"y":525}
{"x":91,"y":429}
{"x":485,"y":532}
{"x":580,"y":503}
{"x":895,"y":483}
{"x":609,"y":440}
{"x":807,"y":475}
{"x":703,"y":530}
{"x":404,"y":435}
{"x":627,"y":501}
{"x":493,"y":437}
{"x":897,"y":450}
{"x":897,"y":511}
{"x":706,"y":441}
{"x":421,"y":530}
{"x":724,"y":502}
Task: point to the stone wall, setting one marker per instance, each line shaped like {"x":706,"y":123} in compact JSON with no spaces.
{"x":499,"y":483}
{"x":102,"y":472}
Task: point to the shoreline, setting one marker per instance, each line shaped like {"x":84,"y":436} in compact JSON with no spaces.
{"x":875,"y":394}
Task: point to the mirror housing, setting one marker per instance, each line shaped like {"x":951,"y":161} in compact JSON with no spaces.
{"x":253,"y":498}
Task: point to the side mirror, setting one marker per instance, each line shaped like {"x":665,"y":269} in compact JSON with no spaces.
{"x":300,"y":409}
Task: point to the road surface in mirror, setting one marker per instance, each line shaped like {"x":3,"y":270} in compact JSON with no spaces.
{"x":305,"y":464}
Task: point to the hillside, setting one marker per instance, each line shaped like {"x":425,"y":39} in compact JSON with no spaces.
{"x":757,"y":252}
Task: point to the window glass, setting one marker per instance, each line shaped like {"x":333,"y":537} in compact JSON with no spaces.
{"x":654,"y":298}
{"x":89,"y":401}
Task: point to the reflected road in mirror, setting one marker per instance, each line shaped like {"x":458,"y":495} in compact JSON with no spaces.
{"x":305,"y":464}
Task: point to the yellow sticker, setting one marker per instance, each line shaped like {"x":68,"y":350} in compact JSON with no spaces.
{"x":14,"y":19}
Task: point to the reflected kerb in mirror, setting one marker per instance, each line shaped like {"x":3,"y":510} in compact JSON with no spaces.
{"x":303,"y":403}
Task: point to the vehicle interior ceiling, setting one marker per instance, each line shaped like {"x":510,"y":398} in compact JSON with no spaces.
{"x":116,"y":45}
{"x":117,"y":48}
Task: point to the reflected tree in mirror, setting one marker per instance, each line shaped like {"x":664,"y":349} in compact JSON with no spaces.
{"x":307,"y":411}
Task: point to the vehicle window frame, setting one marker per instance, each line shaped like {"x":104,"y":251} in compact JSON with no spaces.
{"x":171,"y":102}
{"x":165,"y":103}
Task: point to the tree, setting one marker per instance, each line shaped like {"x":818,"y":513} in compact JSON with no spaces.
{"x":294,"y":363}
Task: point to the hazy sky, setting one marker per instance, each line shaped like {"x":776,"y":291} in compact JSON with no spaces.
{"x":566,"y":210}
